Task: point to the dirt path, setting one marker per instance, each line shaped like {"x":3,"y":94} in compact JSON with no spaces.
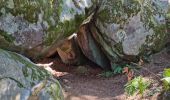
{"x":78,"y":86}
{"x":93,"y":88}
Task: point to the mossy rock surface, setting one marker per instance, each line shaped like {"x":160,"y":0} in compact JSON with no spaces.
{"x":36,"y":25}
{"x":129,"y":29}
{"x":20,"y":79}
{"x":118,"y":30}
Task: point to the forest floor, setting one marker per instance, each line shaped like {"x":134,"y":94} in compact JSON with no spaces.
{"x":85,"y":82}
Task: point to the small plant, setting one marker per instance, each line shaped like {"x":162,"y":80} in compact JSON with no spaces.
{"x":136,"y":85}
{"x":107,"y":74}
{"x":117,"y":69}
{"x":166,"y":79}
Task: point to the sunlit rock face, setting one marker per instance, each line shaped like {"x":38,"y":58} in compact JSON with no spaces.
{"x":36,"y":25}
{"x":117,"y":30}
{"x":126,"y":29}
{"x":70,"y":52}
{"x":20,"y":79}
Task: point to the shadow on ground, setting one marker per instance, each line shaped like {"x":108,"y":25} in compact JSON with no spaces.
{"x":90,"y":86}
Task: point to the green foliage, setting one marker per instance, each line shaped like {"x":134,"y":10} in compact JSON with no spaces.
{"x":107,"y":74}
{"x":166,"y":79}
{"x":166,"y":72}
{"x":136,"y":85}
{"x":117,"y":69}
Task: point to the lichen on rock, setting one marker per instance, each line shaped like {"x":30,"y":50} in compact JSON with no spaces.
{"x":135,"y":25}
{"x":21,"y":79}
{"x":40,"y":24}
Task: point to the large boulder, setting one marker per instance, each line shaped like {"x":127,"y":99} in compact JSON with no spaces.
{"x":124,"y":31}
{"x":168,"y":27}
{"x":35,"y":27}
{"x":118,"y":30}
{"x":20,"y":79}
{"x":91,"y":48}
{"x":129,"y":29}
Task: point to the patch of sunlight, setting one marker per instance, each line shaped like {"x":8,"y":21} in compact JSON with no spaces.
{"x":73,"y":35}
{"x":71,"y":96}
{"x":3,"y":86}
{"x":17,"y":97}
{"x":45,"y":65}
{"x":49,"y":69}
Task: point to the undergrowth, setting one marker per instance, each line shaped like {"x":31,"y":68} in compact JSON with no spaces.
{"x":136,"y":85}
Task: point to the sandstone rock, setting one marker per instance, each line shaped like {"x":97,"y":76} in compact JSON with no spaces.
{"x":70,"y":52}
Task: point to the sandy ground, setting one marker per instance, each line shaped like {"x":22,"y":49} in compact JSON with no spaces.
{"x":89,"y":85}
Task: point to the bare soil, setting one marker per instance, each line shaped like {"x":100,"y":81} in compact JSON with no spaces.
{"x":84,"y":82}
